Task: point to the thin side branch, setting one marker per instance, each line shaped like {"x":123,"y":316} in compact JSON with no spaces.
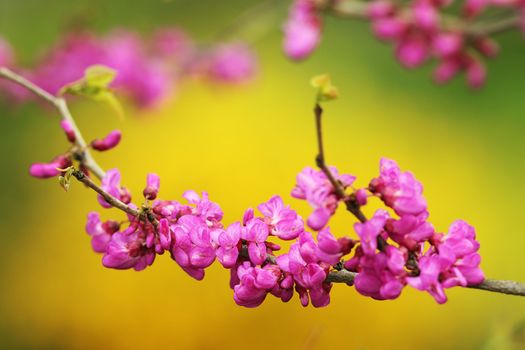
{"x":116,"y":203}
{"x":60,"y":104}
{"x":144,"y":213}
{"x":350,"y":201}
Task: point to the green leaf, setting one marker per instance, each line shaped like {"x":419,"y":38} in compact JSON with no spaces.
{"x":325,"y":90}
{"x":112,"y":101}
{"x":95,"y":86}
{"x":100,"y":76}
{"x":65,"y":179}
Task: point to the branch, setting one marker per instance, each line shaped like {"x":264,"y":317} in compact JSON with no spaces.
{"x":350,"y":201}
{"x":115,"y":202}
{"x":144,"y":213}
{"x":356,"y":9}
{"x":60,"y":104}
{"x":345,"y":276}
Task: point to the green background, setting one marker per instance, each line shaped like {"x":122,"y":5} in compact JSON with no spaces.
{"x":244,"y":144}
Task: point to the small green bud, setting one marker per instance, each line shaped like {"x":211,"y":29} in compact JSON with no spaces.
{"x":325,"y":90}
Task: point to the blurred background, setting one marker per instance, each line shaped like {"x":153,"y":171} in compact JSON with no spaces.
{"x":244,"y":144}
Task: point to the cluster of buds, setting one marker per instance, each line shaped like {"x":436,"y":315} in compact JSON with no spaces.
{"x":75,"y":153}
{"x":419,"y":30}
{"x":148,"y":68}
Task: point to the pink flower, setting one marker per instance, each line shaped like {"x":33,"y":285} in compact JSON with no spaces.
{"x":127,"y":250}
{"x":152,"y":186}
{"x":100,"y":232}
{"x":173,"y":43}
{"x":254,"y":283}
{"x":255,"y":235}
{"x":447,"y":44}
{"x":454,"y":262}
{"x":307,"y":270}
{"x":473,"y":8}
{"x":381,"y":276}
{"x":460,"y":248}
{"x":476,"y":73}
{"x":111,"y":184}
{"x":488,"y":47}
{"x":447,"y":69}
{"x":232,"y":63}
{"x":399,"y":190}
{"x":110,"y":141}
{"x":315,"y":187}
{"x":143,"y":78}
{"x":370,"y":230}
{"x":193,"y":249}
{"x":425,"y":15}
{"x":68,"y":130}
{"x":302,"y":31}
{"x":380,"y":9}
{"x":283,"y":221}
{"x":430,"y":267}
{"x":389,"y":28}
{"x":209,"y":211}
{"x":47,"y":170}
{"x":228,"y":244}
{"x":410,"y":230}
{"x":412,"y":51}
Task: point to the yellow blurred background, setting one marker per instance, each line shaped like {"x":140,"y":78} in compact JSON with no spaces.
{"x":244,"y":144}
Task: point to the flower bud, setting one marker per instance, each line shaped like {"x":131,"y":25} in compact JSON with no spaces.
{"x":68,"y":129}
{"x":447,"y":44}
{"x":108,"y":142}
{"x":47,"y":170}
{"x":487,"y":47}
{"x":380,"y":9}
{"x":446,"y":70}
{"x":152,"y":186}
{"x":412,"y":52}
{"x":476,"y":74}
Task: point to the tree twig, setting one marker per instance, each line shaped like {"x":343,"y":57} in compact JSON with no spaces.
{"x":350,"y":201}
{"x":144,"y":213}
{"x":60,"y":104}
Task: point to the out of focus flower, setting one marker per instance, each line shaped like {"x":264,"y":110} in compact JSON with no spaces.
{"x":148,"y":68}
{"x":302,"y":31}
{"x":232,"y":63}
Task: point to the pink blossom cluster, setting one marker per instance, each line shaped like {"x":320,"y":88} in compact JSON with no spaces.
{"x":148,"y":68}
{"x":392,"y":250}
{"x":418,"y":30}
{"x":418,"y":34}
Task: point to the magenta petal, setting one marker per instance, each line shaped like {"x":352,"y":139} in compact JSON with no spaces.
{"x":202,"y":257}
{"x":227,"y":257}
{"x":257,"y":252}
{"x":318,"y":219}
{"x":198,"y":274}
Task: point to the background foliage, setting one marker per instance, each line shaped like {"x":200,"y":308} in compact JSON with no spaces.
{"x":242,"y":145}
